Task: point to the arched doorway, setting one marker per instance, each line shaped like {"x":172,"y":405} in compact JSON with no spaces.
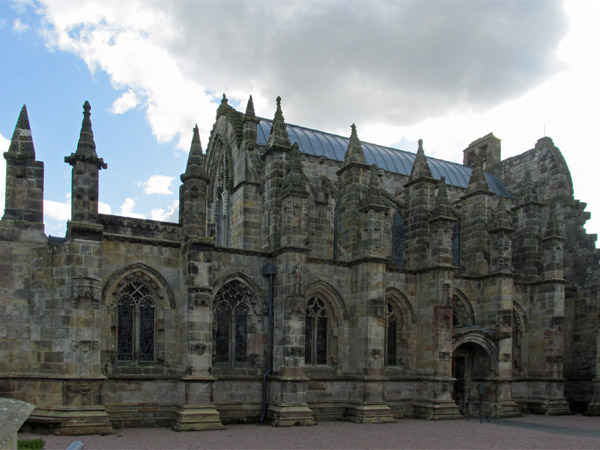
{"x":472,"y":368}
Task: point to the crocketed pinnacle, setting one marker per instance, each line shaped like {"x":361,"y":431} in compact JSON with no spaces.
{"x":21,"y":144}
{"x":86,"y":147}
{"x":442,"y":204}
{"x":374,"y":197}
{"x":279,"y":135}
{"x":420,"y":168}
{"x":501,"y":218}
{"x":477,"y":182}
{"x":294,"y":181}
{"x":195,"y":164}
{"x":355,"y":153}
{"x":250,"y":114}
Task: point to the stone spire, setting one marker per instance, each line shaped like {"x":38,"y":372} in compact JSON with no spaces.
{"x":195,"y":164}
{"x":86,"y":147}
{"x":477,"y":182}
{"x":355,"y":153}
{"x":21,"y":144}
{"x":420,"y":167}
{"x":250,"y":114}
{"x":279,"y":135}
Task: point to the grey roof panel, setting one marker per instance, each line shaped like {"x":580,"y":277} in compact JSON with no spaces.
{"x":331,"y":146}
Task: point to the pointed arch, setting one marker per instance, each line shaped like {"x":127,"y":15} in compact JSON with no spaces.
{"x":157,"y":282}
{"x":325,"y":312}
{"x":220,"y":170}
{"x":236,"y":303}
{"x":483,"y":339}
{"x":401,"y":301}
{"x":331,"y":295}
{"x":462,"y":310}
{"x":136,"y":297}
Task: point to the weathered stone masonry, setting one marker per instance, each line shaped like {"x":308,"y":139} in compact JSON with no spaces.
{"x":310,"y":277}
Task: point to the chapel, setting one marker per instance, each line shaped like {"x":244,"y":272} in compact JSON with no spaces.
{"x":309,"y":277}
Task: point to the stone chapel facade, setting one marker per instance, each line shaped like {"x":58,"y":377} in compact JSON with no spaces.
{"x":310,"y":277}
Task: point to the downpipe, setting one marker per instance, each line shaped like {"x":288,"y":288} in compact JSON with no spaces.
{"x":269,"y":271}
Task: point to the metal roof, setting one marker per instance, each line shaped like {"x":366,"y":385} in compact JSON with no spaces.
{"x":331,"y":146}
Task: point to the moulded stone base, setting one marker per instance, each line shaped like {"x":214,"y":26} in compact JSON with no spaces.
{"x":549,"y":407}
{"x":506,"y":409}
{"x":370,"y":413}
{"x":437,"y":411}
{"x":593,"y":409}
{"x":74,"y":420}
{"x":289,"y":415}
{"x":197,"y":418}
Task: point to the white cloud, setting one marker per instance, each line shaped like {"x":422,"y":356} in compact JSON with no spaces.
{"x":59,"y":211}
{"x":158,"y":184}
{"x":125,"y":102}
{"x":162,"y":215}
{"x":104,"y":208}
{"x":19,"y":26}
{"x":127,"y":209}
{"x":442,"y":71}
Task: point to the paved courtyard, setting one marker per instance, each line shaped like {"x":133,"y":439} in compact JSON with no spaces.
{"x":547,"y":432}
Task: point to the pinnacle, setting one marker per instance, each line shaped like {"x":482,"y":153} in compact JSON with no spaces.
{"x":21,"y":144}
{"x":195,"y":164}
{"x":477,"y":182}
{"x":355,"y":153}
{"x":86,"y":145}
{"x":442,"y":204}
{"x":552,"y":228}
{"x":420,"y":167}
{"x":279,"y":135}
{"x":502,"y":219}
{"x":250,"y":114}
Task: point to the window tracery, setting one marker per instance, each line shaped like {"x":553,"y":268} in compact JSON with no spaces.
{"x":395,"y":344}
{"x":230,"y":324}
{"x":136,"y":322}
{"x":316,"y":332}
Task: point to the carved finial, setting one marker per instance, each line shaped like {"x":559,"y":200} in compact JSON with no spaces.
{"x":224,"y":100}
{"x":354,"y":153}
{"x":195,"y":163}
{"x":420,"y":167}
{"x":86,"y":145}
{"x":21,"y":144}
{"x":250,"y":114}
{"x":279,"y":135}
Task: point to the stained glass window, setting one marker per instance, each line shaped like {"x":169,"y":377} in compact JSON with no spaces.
{"x":316,"y":332}
{"x":456,"y":244}
{"x":136,"y":319}
{"x":398,"y":240}
{"x":394,"y":344}
{"x":231,"y":323}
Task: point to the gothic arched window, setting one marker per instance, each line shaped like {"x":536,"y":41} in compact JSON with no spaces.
{"x":136,"y":324}
{"x":316,"y":332}
{"x":398,"y":240}
{"x":221,"y":198}
{"x":230,"y":324}
{"x":395,"y":345}
{"x":456,"y":244}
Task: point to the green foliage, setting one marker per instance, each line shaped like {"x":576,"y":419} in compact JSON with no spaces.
{"x":30,"y":444}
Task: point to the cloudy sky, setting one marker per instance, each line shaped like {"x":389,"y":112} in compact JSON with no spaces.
{"x":444,"y":71}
